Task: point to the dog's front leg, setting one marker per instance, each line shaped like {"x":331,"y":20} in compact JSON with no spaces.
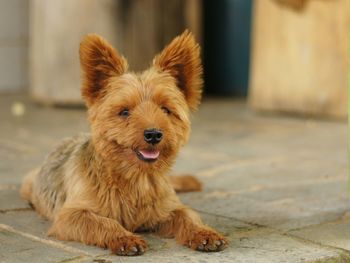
{"x":188,"y":229}
{"x":85,"y":226}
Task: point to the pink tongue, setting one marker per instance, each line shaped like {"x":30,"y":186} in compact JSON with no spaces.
{"x":149,"y":154}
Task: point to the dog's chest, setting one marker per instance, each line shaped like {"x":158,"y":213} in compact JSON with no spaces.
{"x":135,"y":214}
{"x":136,"y":208}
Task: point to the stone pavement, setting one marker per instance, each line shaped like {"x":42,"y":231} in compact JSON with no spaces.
{"x":276,"y":186}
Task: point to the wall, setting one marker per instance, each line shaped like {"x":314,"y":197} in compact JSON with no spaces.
{"x":13,"y":45}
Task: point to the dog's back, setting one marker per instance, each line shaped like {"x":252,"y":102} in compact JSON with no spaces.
{"x":45,"y":186}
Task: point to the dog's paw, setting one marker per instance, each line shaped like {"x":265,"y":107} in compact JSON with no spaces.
{"x":207,"y":241}
{"x":128,"y":246}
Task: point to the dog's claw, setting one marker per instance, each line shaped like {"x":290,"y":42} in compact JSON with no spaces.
{"x":129,"y":246}
{"x":208,"y":241}
{"x":212,"y":248}
{"x":218,"y":243}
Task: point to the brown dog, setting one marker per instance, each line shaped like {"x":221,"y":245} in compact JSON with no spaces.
{"x":99,"y":188}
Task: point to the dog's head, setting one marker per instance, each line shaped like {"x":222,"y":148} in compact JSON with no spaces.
{"x":141,"y":120}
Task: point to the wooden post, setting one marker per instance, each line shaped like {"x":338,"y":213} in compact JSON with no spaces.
{"x":138,"y":29}
{"x":56,"y":29}
{"x":299,"y":57}
{"x":349,"y":109}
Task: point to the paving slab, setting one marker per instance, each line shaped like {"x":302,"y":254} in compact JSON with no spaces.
{"x":335,"y":234}
{"x":194,"y":161}
{"x":25,"y":140}
{"x":276,"y":171}
{"x":10,"y":199}
{"x":18,"y":249}
{"x":283,"y":208}
{"x":30,"y":222}
{"x":267,"y":248}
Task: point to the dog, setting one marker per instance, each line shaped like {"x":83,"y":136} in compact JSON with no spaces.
{"x":101,"y":188}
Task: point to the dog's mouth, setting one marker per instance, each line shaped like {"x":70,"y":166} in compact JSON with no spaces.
{"x":148,"y":155}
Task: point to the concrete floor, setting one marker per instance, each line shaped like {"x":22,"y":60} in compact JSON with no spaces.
{"x":276,"y":186}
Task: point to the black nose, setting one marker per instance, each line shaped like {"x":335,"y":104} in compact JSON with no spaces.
{"x":153,"y":136}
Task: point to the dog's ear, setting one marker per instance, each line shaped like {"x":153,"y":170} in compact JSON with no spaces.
{"x":99,"y":61}
{"x":181,"y":59}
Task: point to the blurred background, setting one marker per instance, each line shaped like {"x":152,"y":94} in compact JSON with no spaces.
{"x":279,"y":55}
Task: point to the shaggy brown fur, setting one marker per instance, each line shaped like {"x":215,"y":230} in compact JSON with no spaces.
{"x":100,"y":188}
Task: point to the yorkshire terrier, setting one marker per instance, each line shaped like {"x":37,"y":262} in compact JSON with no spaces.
{"x":100,"y":188}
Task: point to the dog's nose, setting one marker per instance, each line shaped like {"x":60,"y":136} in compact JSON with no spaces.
{"x":153,"y":136}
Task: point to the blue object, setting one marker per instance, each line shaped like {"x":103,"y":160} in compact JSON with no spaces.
{"x":227,"y":27}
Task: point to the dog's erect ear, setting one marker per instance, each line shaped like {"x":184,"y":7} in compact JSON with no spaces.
{"x":181,"y":59}
{"x":99,"y":61}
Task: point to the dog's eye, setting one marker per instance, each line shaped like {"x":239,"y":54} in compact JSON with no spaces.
{"x":166,"y":110}
{"x":124,"y":113}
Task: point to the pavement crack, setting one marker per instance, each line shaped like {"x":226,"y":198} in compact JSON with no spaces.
{"x":234,"y":218}
{"x":71,"y":260}
{"x":44,"y":241}
{"x":16,"y":210}
{"x":308,"y":241}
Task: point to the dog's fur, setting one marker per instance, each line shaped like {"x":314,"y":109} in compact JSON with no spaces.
{"x":94,"y":187}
